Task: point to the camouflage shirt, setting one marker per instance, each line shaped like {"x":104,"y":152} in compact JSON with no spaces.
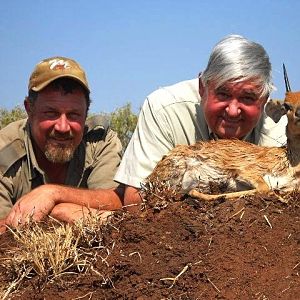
{"x":93,"y":165}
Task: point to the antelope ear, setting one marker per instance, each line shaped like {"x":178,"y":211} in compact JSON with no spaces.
{"x":275,"y":110}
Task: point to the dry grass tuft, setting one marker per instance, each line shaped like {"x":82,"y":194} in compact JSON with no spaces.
{"x":54,"y":249}
{"x":158,"y":194}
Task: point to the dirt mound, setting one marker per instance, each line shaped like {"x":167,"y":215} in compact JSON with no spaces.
{"x":243,"y":249}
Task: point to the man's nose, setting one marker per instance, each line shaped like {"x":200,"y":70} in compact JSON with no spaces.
{"x":233,"y":108}
{"x":62,"y":124}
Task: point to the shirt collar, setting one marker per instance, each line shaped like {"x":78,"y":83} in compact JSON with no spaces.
{"x":31,"y":158}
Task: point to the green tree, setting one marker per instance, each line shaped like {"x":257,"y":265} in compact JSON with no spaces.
{"x":123,"y":121}
{"x":8,"y":116}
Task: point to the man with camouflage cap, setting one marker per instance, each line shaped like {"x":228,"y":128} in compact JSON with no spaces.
{"x":57,"y":162}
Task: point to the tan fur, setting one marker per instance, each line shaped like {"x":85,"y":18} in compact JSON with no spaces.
{"x":232,"y":168}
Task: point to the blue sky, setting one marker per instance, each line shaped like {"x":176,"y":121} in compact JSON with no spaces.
{"x":130,"y":48}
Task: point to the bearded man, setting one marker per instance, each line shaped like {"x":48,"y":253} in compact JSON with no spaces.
{"x":57,"y":162}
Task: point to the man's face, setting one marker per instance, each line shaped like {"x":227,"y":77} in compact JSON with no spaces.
{"x":233,"y":109}
{"x":57,"y":123}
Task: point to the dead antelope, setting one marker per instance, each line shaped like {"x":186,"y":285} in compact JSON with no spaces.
{"x":236,"y":168}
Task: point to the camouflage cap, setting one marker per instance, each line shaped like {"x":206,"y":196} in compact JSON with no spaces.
{"x":53,"y":68}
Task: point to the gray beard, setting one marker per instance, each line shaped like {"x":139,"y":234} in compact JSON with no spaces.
{"x":59,"y":154}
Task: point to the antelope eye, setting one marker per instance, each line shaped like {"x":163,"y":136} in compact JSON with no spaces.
{"x":287,"y":106}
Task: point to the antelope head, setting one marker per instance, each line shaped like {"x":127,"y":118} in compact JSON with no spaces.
{"x":290,"y":107}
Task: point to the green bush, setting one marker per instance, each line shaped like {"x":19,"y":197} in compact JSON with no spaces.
{"x":8,"y":116}
{"x":123,"y":121}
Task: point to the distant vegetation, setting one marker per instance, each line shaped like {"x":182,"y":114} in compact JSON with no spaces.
{"x":122,"y":120}
{"x":8,"y":116}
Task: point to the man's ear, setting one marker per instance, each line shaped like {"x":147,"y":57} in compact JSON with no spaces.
{"x":201,"y":87}
{"x":275,"y":110}
{"x":266,"y":99}
{"x":27,"y":106}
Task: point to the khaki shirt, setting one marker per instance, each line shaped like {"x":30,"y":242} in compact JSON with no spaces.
{"x":173,"y":115}
{"x":93,"y":165}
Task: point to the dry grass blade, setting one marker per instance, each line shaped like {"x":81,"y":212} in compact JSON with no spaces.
{"x":174,"y":279}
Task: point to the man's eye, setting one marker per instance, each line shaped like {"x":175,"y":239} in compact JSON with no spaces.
{"x":50,"y":114}
{"x":248,"y":99}
{"x":73,"y":115}
{"x":223,"y":95}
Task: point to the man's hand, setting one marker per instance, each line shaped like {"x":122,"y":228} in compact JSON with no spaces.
{"x":33,"y":206}
{"x":70,"y":213}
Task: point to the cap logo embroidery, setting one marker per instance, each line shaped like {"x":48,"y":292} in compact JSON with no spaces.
{"x":59,"y":64}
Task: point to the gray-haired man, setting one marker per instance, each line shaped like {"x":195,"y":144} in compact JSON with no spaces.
{"x":226,"y":101}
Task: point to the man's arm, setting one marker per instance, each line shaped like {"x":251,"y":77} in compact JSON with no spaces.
{"x":41,"y":201}
{"x":69,"y":212}
{"x":132,"y":198}
{"x":2,"y":226}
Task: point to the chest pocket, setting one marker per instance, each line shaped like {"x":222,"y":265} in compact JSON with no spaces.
{"x":10,"y":154}
{"x":12,"y":158}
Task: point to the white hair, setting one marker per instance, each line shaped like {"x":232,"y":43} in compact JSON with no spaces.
{"x":236,"y":59}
